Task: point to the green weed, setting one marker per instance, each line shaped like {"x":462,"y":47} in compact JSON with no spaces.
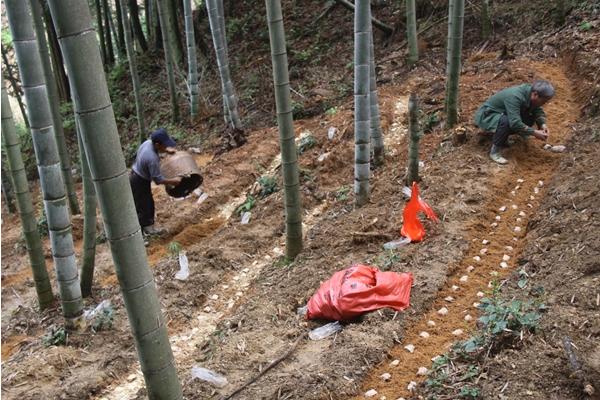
{"x":42,"y":223}
{"x":174,"y":248}
{"x":55,"y":337}
{"x":247,"y":206}
{"x":103,"y":320}
{"x":342,"y":193}
{"x":306,"y":143}
{"x":268,"y":185}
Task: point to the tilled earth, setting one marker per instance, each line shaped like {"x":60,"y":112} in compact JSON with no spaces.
{"x":236,"y":312}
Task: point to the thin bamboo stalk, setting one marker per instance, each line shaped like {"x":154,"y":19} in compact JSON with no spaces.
{"x":166,"y":33}
{"x":139,"y":108}
{"x":375,"y":119}
{"x":109,"y":173}
{"x":362,"y":16}
{"x":412,"y":173}
{"x":192,"y":59}
{"x":59,"y":133}
{"x":51,"y":181}
{"x":289,"y":153}
{"x":33,"y":240}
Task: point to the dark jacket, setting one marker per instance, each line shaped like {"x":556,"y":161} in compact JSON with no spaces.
{"x":512,"y":101}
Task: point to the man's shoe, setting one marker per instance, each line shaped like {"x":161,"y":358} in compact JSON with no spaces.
{"x":150,"y":230}
{"x":496,"y":156}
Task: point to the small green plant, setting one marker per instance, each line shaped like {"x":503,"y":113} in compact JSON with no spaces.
{"x":268,"y":185}
{"x":6,"y":39}
{"x":522,"y":282}
{"x":174,"y":248}
{"x":331,"y":111}
{"x":247,"y":205}
{"x":282,"y":262}
{"x":297,"y":109}
{"x":103,"y":320}
{"x":342,"y":193}
{"x":387,"y":259}
{"x":68,"y":117}
{"x":55,"y":337}
{"x":306,"y":143}
{"x":42,"y":223}
{"x":428,"y":121}
{"x":585,"y":26}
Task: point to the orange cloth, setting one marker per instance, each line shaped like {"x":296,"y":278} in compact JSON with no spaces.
{"x":412,"y":227}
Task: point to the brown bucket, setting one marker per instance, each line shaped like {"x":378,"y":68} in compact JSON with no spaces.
{"x":181,"y":164}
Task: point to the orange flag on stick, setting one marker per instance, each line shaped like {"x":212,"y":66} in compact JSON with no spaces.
{"x":412,"y":227}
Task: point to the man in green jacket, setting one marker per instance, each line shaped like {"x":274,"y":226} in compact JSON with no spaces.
{"x":514,"y":111}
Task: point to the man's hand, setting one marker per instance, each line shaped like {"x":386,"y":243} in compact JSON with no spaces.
{"x":545,"y":129}
{"x":540,"y":135}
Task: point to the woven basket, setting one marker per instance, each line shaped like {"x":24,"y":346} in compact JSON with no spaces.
{"x":181,"y":164}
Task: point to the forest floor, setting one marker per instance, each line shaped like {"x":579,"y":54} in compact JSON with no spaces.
{"x":236,"y":312}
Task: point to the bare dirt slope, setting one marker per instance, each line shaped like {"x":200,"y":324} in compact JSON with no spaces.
{"x":236,"y":312}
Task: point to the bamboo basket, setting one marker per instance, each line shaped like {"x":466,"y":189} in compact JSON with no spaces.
{"x":181,"y":164}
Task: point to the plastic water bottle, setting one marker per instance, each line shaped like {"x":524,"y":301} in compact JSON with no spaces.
{"x":209,"y":376}
{"x":246,"y":217}
{"x":325,"y":331}
{"x":396,"y":243}
{"x":184,"y":268}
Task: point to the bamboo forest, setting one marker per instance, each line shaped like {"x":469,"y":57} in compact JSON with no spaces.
{"x":284,"y":199}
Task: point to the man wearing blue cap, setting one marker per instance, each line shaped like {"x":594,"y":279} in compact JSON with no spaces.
{"x":145,"y":169}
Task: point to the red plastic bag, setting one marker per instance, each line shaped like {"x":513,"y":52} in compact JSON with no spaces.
{"x":357,"y":290}
{"x":412,"y":227}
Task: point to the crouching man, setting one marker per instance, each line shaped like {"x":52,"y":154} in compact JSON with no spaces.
{"x":514,"y":110}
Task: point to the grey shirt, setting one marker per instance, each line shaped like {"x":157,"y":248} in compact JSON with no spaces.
{"x":147,"y":163}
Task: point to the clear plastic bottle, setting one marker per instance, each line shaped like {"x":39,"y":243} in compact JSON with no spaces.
{"x":396,"y":243}
{"x":184,"y":268}
{"x":209,"y":376}
{"x":325,"y":331}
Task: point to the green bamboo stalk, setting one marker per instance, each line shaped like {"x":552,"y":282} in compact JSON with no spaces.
{"x":175,"y":36}
{"x":412,"y":173}
{"x":120,"y":28}
{"x":486,"y":20}
{"x":111,"y":181}
{"x":169,"y":64}
{"x":51,"y":181}
{"x":108,"y":29}
{"x":13,"y":82}
{"x":457,"y":9}
{"x":362,"y":16}
{"x":285,"y":121}
{"x":375,"y":119}
{"x":89,"y":220}
{"x":139,"y":108}
{"x":222,"y":62}
{"x":60,"y":76}
{"x":411,"y":32}
{"x":100,"y":28}
{"x":7,"y":189}
{"x":59,"y":133}
{"x":33,"y":241}
{"x":136,"y":25}
{"x":192,"y":61}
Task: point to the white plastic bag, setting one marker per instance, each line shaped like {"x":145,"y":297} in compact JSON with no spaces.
{"x":209,"y":376}
{"x":325,"y":331}
{"x":246,"y":217}
{"x":90,"y":314}
{"x":184,"y":269}
{"x":396,"y":243}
